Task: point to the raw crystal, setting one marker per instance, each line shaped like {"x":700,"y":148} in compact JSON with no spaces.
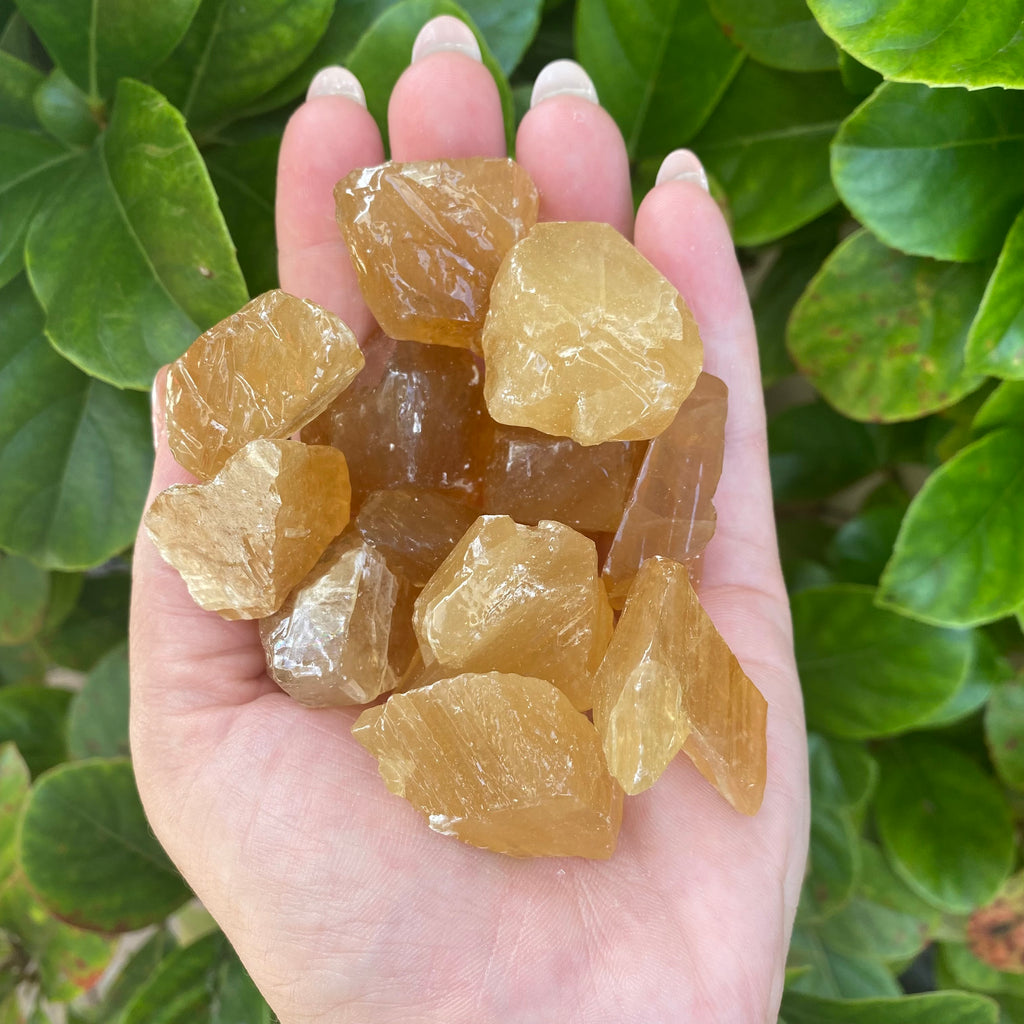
{"x":427,"y":238}
{"x":500,"y":761}
{"x":532,"y":476}
{"x":670,"y":510}
{"x":327,"y":646}
{"x":585,"y":339}
{"x":521,"y":599}
{"x":669,"y":681}
{"x":243,"y":540}
{"x":410,"y":419}
{"x":265,"y":371}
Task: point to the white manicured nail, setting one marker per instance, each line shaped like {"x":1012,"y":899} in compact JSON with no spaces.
{"x":682,"y":165}
{"x":445,"y":33}
{"x":563,"y":78}
{"x":336,"y":81}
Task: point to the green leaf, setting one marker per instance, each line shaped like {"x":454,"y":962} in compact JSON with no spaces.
{"x":96,"y":42}
{"x":859,"y":79}
{"x":933,"y":171}
{"x":867,"y":672}
{"x":631,"y":49}
{"x":943,"y":42}
{"x":75,"y":455}
{"x":780,"y":33}
{"x":508,"y":26}
{"x":995,"y":344}
{"x":64,"y":111}
{"x":959,"y":557}
{"x":767,"y":144}
{"x":132,"y":977}
{"x":834,"y":973}
{"x":843,"y":774}
{"x":382,"y":54}
{"x":65,"y":588}
{"x":881,"y":335}
{"x":33,"y":718}
{"x":969,"y":972}
{"x":880,"y":885}
{"x":1003,"y":408}
{"x":24,"y":594}
{"x":245,"y":177}
{"x":14,"y":783}
{"x":24,"y":664}
{"x":98,"y":622}
{"x":869,"y":930}
{"x":931,"y":1008}
{"x":235,"y":52}
{"x":18,"y":81}
{"x":862,"y":545}
{"x":32,"y":168}
{"x":988,"y":668}
{"x":122,"y":220}
{"x":832,"y":862}
{"x":814,"y":452}
{"x":98,"y":718}
{"x":88,"y":851}
{"x":1004,"y":733}
{"x":944,"y":824}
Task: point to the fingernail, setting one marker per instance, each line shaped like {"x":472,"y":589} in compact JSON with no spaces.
{"x":563,"y":78}
{"x":682,"y":165}
{"x":445,"y":33}
{"x":336,"y":81}
{"x":157,"y":412}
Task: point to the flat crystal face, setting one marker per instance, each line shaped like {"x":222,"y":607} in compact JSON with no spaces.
{"x":585,"y":339}
{"x":515,"y":769}
{"x":265,"y":371}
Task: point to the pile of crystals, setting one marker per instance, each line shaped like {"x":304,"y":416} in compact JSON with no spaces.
{"x":535,"y":397}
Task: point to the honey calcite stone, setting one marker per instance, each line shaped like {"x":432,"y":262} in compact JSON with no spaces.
{"x":670,"y":511}
{"x":410,"y":419}
{"x":243,"y":540}
{"x":586,"y":339}
{"x":265,"y":371}
{"x":668,"y":682}
{"x":426,"y":240}
{"x":327,"y":646}
{"x":520,"y":599}
{"x":532,"y":476}
{"x":500,"y":761}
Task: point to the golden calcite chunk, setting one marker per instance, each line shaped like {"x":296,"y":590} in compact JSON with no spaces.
{"x":500,"y":761}
{"x":670,"y":510}
{"x":265,"y":371}
{"x":532,"y":476}
{"x":327,"y":646}
{"x":521,"y":599}
{"x":410,"y":419}
{"x":668,"y":682}
{"x":243,"y":540}
{"x":426,"y":240}
{"x":586,"y":339}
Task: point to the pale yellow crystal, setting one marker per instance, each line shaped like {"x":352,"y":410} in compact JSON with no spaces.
{"x":521,"y":599}
{"x":500,"y":761}
{"x":669,"y":681}
{"x":327,"y":646}
{"x":243,"y":540}
{"x":265,"y":371}
{"x":585,"y":339}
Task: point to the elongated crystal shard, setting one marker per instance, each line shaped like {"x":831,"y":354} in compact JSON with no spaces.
{"x":521,"y":599}
{"x":426,"y":240}
{"x":500,"y":761}
{"x":327,"y":646}
{"x":243,"y":540}
{"x":670,"y":511}
{"x":265,"y":371}
{"x":668,"y":682}
{"x":585,"y":339}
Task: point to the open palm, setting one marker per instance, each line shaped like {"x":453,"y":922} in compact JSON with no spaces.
{"x":343,"y":906}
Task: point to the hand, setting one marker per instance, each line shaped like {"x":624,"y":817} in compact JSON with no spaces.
{"x":340,"y":901}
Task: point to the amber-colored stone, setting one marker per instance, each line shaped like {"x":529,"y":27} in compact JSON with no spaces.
{"x":669,"y":681}
{"x":585,"y":339}
{"x":521,"y":599}
{"x":500,"y":761}
{"x":327,"y":646}
{"x":427,"y":238}
{"x":243,"y":540}
{"x":532,"y":476}
{"x":265,"y":371}
{"x":410,"y":419}
{"x":670,"y":510}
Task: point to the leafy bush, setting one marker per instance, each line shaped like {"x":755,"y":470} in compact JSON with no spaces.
{"x":871,"y":159}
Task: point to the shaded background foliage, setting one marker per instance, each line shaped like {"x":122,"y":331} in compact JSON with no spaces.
{"x":870,"y":158}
